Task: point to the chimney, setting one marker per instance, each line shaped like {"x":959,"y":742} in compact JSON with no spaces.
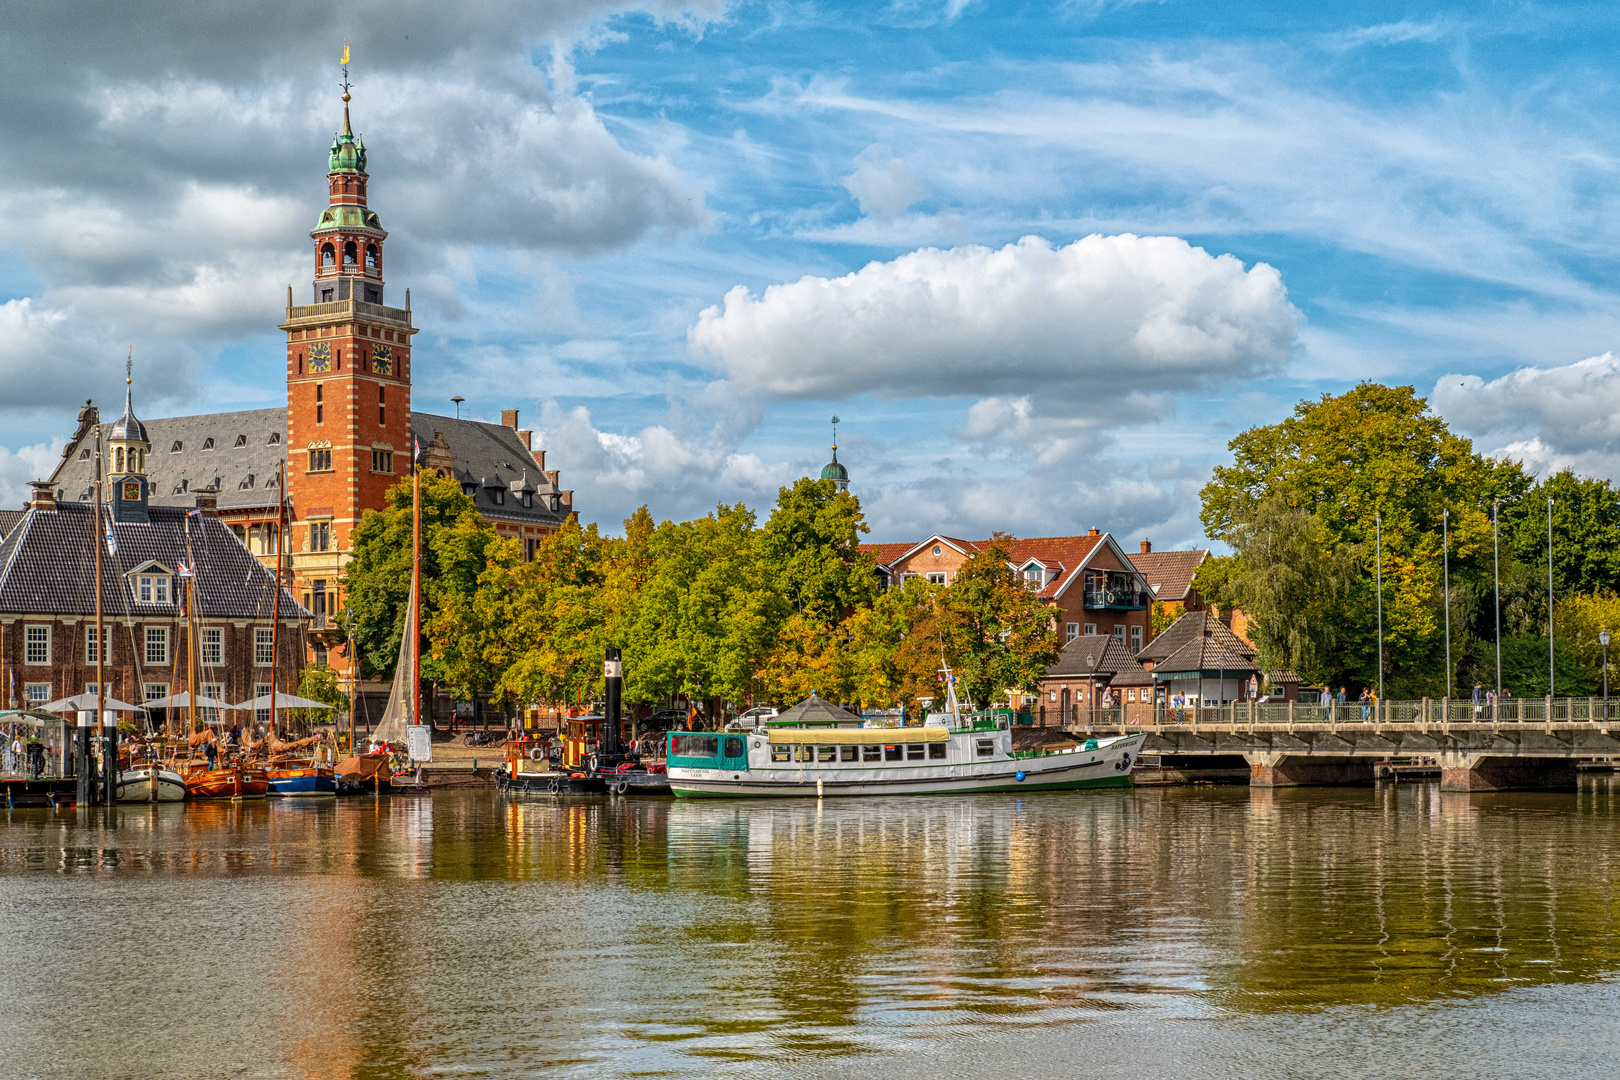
{"x":526,"y":437}
{"x":509,"y":418}
{"x":208,"y":502}
{"x":44,"y":495}
{"x":568,"y":499}
{"x":1094,"y":532}
{"x":1147,"y":547}
{"x":539,"y":459}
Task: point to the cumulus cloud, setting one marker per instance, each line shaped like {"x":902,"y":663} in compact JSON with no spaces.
{"x":18,"y":467}
{"x":1549,"y":417}
{"x":883,"y":184}
{"x":1087,"y":324}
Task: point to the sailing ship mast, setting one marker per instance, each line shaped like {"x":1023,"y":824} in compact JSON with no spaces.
{"x":190,"y":583}
{"x":275,"y":598}
{"x":416,"y":592}
{"x":101,"y":638}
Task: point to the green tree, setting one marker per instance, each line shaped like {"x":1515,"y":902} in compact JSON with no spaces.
{"x":318,"y":683}
{"x":377,"y":580}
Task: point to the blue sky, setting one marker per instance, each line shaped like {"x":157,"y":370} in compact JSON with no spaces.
{"x":1043,"y":259}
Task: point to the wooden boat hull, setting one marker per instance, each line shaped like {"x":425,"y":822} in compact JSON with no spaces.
{"x":303,"y":780}
{"x":233,"y":783}
{"x":549,"y":783}
{"x":135,"y":785}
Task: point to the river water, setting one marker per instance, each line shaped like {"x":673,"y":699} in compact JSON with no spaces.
{"x":1201,"y":932}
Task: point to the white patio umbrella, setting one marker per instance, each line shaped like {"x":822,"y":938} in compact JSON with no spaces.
{"x":87,"y":703}
{"x":182,"y":700}
{"x":283,"y":701}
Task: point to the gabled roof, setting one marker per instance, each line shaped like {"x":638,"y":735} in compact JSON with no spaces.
{"x":1198,"y":641}
{"x":1093,"y":655}
{"x":10,"y":519}
{"x":1067,"y":554}
{"x":493,"y":457}
{"x":884,"y":554}
{"x":47,"y":566}
{"x":1170,"y":572}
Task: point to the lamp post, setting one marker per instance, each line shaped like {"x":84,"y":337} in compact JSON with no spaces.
{"x":1378,"y":531}
{"x":1445,"y":535}
{"x":1603,"y":639}
{"x":1496,"y":574}
{"x":458,"y":399}
{"x":1550,"y":654}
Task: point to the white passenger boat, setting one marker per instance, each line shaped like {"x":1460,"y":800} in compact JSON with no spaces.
{"x":815,"y":749}
{"x":136,"y":785}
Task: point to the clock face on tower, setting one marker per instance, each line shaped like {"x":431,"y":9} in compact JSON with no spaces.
{"x":382,"y":359}
{"x":320,"y":358}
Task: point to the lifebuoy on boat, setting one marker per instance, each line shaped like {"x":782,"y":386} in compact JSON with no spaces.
{"x":536,"y":754}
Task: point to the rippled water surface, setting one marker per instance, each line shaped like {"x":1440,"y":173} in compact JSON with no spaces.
{"x":1216,"y":932}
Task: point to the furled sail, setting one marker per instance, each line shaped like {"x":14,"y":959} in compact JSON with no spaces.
{"x":397,"y":716}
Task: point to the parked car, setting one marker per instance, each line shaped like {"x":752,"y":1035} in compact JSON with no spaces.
{"x":753,"y":716}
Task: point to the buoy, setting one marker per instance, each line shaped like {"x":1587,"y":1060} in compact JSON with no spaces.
{"x":1019,"y":776}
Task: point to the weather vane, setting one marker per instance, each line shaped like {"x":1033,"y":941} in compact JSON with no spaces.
{"x":129,"y":366}
{"x":345,"y":63}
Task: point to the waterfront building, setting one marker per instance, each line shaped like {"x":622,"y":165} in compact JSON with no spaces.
{"x":151,"y":553}
{"x":1088,"y":581}
{"x":1087,"y":668}
{"x":347,"y":432}
{"x":1198,"y":655}
{"x":1170,"y":575}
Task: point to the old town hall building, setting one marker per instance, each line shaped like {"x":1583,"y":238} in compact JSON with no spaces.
{"x":347,"y":432}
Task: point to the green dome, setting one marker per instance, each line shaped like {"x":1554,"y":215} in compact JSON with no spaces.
{"x":344,"y":216}
{"x":834,"y":471}
{"x":348,"y":154}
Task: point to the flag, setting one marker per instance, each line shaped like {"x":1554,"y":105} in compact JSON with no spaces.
{"x":112,"y":542}
{"x":345,"y":53}
{"x":416,"y":450}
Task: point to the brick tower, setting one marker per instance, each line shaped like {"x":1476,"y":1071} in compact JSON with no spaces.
{"x":348,"y":389}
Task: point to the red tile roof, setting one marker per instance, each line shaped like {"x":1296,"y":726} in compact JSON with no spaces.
{"x":1171,"y":572}
{"x":1064,"y":553}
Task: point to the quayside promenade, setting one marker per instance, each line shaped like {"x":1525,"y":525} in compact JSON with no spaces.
{"x":1523,"y":744}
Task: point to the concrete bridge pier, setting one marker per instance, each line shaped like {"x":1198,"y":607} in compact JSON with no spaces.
{"x":1461,"y":770}
{"x":1297,"y":770}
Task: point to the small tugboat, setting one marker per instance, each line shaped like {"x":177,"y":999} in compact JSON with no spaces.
{"x":538,"y":766}
{"x":817,"y":749}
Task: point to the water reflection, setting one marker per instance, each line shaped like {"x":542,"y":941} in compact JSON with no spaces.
{"x":470,"y":932}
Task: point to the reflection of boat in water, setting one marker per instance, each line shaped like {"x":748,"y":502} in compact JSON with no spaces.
{"x":242,"y":781}
{"x":137,"y":785}
{"x":815,"y":748}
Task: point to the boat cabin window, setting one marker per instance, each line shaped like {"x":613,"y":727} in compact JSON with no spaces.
{"x":804,"y":753}
{"x":847,"y":753}
{"x":892,"y":753}
{"x":916,"y":752}
{"x":985,"y":748}
{"x":781,"y":753}
{"x":826,"y":753}
{"x":694,"y":746}
{"x":734,"y":747}
{"x":936,"y":750}
{"x":871,"y":753}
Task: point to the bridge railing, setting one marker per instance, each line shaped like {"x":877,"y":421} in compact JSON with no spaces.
{"x":1423,"y":710}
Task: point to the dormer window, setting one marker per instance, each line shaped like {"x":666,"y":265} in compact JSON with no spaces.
{"x":275,"y":438}
{"x":498,"y":495}
{"x":177,"y":447}
{"x":241,"y":440}
{"x":469,"y":490}
{"x":528,"y":500}
{"x":152,"y":588}
{"x":246,"y":484}
{"x":84,"y":455}
{"x":208,"y":444}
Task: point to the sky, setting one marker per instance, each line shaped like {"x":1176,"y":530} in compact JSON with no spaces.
{"x":1044,"y":260}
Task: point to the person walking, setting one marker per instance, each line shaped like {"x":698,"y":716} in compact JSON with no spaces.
{"x":1366,"y":705}
{"x":1479,"y":700}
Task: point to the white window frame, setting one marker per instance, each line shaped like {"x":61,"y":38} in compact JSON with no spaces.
{"x":37,"y":646}
{"x":1136,"y":639}
{"x":90,"y":645}
{"x":155,"y":636}
{"x":212,"y":649}
{"x":36,"y":693}
{"x":1119,"y":632}
{"x":1091,"y":629}
{"x":216,"y":691}
{"x":1071,"y":631}
{"x":936,"y":577}
{"x":261,"y":716}
{"x":264,"y":654}
{"x":152,"y":691}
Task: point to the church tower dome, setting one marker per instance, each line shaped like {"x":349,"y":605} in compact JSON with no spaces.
{"x":833,"y":470}
{"x":127,"y":447}
{"x":349,"y":236}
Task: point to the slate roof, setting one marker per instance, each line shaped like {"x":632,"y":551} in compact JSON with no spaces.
{"x":1170,"y":572}
{"x":246,"y":475}
{"x":1198,"y":641}
{"x":1094,"y":655}
{"x":47,"y":565}
{"x":9,"y":519}
{"x":487,"y":452}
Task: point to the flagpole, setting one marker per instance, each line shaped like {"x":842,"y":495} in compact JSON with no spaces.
{"x":275,"y":599}
{"x":416,"y":585}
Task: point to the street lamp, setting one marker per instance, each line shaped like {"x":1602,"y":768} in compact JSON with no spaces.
{"x":1378,"y":527}
{"x":1496,"y":573}
{"x":1603,"y":639}
{"x":1550,"y":654}
{"x":1445,"y":533}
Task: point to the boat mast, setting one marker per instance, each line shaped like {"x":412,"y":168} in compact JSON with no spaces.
{"x":101,"y":642}
{"x":275,"y":597}
{"x":191,"y":633}
{"x":416,"y":593}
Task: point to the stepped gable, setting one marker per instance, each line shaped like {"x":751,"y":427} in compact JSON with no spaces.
{"x":47,"y":566}
{"x":490,"y":458}
{"x":1170,"y":572}
{"x":1093,"y":655}
{"x":190,"y":453}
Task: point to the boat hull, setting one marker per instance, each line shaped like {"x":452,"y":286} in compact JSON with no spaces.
{"x":135,"y":786}
{"x":227,"y":784}
{"x":548,"y":783}
{"x":304,"y":782}
{"x":1107,"y":766}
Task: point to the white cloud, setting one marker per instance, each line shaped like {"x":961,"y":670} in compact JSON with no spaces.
{"x":883,"y":184}
{"x":18,"y":467}
{"x":1086,"y":324}
{"x":1549,"y":417}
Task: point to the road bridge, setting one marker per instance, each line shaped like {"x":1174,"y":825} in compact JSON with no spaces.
{"x":1474,"y":755}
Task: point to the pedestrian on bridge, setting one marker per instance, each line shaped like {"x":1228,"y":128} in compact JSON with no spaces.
{"x":1479,"y":700}
{"x":1366,"y":705}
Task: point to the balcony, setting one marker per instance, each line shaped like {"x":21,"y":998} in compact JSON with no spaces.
{"x":1118,"y":599}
